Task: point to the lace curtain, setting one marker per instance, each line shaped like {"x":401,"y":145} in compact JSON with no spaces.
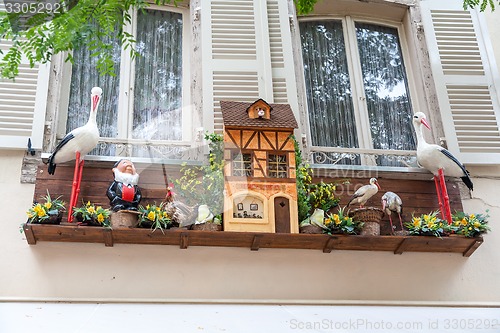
{"x":158,"y":76}
{"x":157,"y":93}
{"x":84,"y":76}
{"x":329,"y":94}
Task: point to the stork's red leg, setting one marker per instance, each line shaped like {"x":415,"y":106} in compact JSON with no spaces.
{"x":392,"y":227}
{"x":79,"y":181}
{"x":446,"y":198}
{"x":72,"y":200}
{"x":438,"y":192}
{"x":400,"y":221}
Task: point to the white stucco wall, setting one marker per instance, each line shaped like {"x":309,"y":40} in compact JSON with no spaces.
{"x":93,"y":272}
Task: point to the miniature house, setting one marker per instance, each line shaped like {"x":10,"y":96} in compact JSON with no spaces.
{"x":259,"y":173}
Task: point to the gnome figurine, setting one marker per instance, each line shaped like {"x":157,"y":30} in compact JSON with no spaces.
{"x":123,"y":193}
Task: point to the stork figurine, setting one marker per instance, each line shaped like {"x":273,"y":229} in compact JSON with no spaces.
{"x":391,"y":202}
{"x":364,"y":193}
{"x":440,"y":162}
{"x":75,"y":145}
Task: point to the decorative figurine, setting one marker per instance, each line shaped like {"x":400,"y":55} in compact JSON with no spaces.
{"x":75,"y":145}
{"x":391,"y":202}
{"x":123,"y":193}
{"x":364,"y":193}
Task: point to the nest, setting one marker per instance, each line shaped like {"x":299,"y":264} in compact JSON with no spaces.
{"x":370,"y":214}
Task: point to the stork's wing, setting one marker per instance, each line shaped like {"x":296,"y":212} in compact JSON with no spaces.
{"x":466,"y":179}
{"x":68,"y":137}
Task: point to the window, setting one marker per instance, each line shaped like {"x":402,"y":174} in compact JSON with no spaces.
{"x":277,"y":166}
{"x":242,"y":164}
{"x":144,"y":111}
{"x":357,"y":91}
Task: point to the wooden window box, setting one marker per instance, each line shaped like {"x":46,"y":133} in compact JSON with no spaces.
{"x":185,"y":238}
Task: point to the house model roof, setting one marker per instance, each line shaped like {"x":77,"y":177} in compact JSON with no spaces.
{"x":236,"y":114}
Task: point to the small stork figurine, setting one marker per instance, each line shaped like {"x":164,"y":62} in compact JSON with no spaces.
{"x":364,"y":193}
{"x":391,"y":202}
{"x":75,"y":145}
{"x":440,"y":162}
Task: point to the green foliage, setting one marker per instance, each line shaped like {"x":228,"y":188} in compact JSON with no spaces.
{"x":154,"y":215}
{"x":341,"y":223}
{"x":41,"y":211}
{"x":303,"y":180}
{"x":470,"y":225}
{"x":321,"y":195}
{"x":483,"y":4}
{"x":90,"y":213}
{"x":204,"y":185}
{"x":89,"y":22}
{"x":304,"y":6}
{"x":428,"y":225}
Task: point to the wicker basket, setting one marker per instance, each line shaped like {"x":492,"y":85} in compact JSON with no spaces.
{"x":124,"y":219}
{"x":371,"y":217}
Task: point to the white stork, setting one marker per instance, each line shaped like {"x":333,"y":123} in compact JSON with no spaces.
{"x":364,"y":193}
{"x":75,"y":145}
{"x":391,"y":202}
{"x":441,"y":163}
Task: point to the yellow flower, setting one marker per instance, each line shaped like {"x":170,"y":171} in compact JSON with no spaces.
{"x":470,"y":228}
{"x":91,"y":209}
{"x":477,"y":224}
{"x":38,"y":208}
{"x":157,"y":209}
{"x":165,"y":214}
{"x":328,"y":221}
{"x":30,"y":215}
{"x":41,"y":213}
{"x":417,"y":222}
{"x":147,"y":207}
{"x":151,"y":216}
{"x":464,"y":221}
{"x":472,"y":216}
{"x":336,"y":218}
{"x":48,"y":205}
{"x":88,"y":203}
{"x":100,"y":218}
{"x":430,"y":224}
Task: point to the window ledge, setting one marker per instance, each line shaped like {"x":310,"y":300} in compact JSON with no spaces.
{"x":252,"y":240}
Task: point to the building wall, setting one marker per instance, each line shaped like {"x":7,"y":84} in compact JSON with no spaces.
{"x":93,"y":272}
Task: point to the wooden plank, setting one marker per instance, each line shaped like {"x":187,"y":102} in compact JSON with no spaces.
{"x":184,"y":241}
{"x":329,"y":245}
{"x":108,"y":237}
{"x":473,"y":247}
{"x":255,"y":243}
{"x":28,"y":232}
{"x":401,"y":247}
{"x":184,"y":238}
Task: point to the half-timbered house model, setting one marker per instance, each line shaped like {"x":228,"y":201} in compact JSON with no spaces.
{"x":259,"y":173}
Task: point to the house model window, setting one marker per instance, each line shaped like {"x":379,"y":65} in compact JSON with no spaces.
{"x":277,"y":166}
{"x":259,"y":110}
{"x":242,"y":164}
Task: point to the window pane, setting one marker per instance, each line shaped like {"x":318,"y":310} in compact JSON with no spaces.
{"x":85,"y":76}
{"x":386,"y":88}
{"x":329,"y":99}
{"x":158,"y":76}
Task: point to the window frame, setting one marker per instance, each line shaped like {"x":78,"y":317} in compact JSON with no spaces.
{"x":412,"y":67}
{"x":126,"y":97}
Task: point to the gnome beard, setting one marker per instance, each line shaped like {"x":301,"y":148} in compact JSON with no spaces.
{"x":126,"y":178}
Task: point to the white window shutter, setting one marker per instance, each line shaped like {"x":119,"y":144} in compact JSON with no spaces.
{"x":236,"y":55}
{"x":466,"y":80}
{"x":22,"y":105}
